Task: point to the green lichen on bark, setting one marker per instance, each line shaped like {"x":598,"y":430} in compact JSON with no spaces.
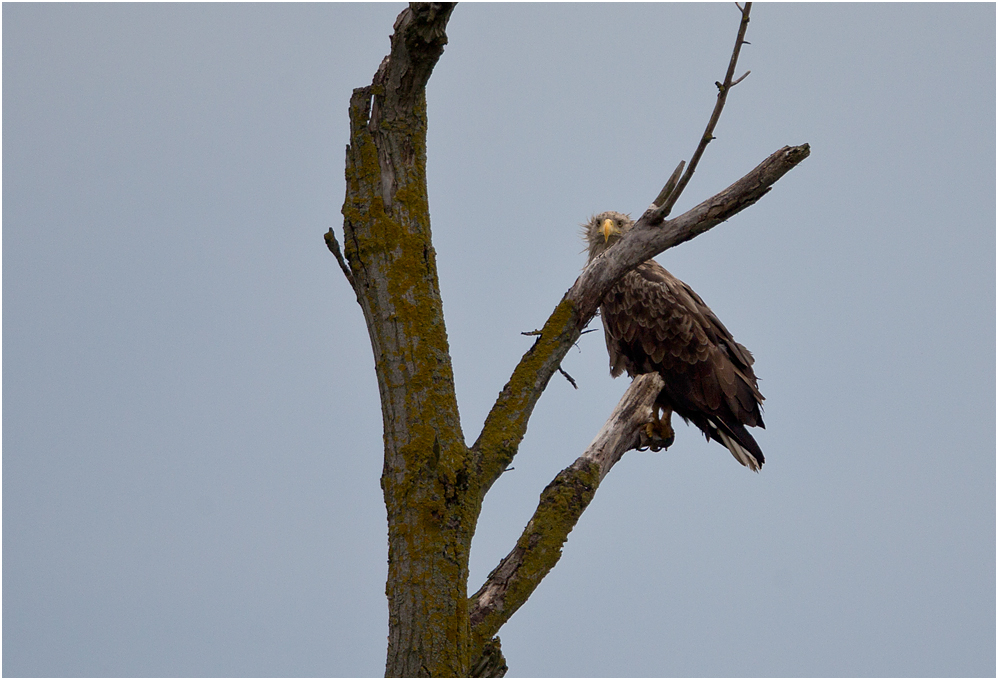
{"x":506,"y":423}
{"x":562,"y":503}
{"x":426,"y":474}
{"x":538,"y":549}
{"x":490,"y":663}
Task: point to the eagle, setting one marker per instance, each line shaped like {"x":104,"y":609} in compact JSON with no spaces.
{"x":655,"y":323}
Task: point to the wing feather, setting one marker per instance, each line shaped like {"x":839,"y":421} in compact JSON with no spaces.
{"x":654,"y":322}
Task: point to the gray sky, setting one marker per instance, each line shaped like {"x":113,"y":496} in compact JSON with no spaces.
{"x":192,"y":430}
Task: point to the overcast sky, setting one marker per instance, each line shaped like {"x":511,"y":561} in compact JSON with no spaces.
{"x":192,"y":443}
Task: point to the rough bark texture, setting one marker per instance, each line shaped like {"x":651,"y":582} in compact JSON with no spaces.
{"x":507,"y":421}
{"x":431,"y":518}
{"x":561,"y":504}
{"x":650,"y":235}
{"x":491,"y":663}
{"x":433,"y":483}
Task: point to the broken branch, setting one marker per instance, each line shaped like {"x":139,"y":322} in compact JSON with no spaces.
{"x":334,"y":248}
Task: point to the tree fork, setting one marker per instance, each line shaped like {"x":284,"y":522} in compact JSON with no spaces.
{"x":433,"y":483}
{"x":507,"y":421}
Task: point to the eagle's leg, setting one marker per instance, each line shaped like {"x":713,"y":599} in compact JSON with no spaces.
{"x":659,"y":431}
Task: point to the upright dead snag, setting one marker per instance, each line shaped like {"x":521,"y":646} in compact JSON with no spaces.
{"x":392,"y":264}
{"x":433,"y":483}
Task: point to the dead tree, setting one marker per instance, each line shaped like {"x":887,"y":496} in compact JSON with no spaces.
{"x":433,"y":482}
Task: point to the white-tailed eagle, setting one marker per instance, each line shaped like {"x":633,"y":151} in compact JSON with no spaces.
{"x":655,"y":323}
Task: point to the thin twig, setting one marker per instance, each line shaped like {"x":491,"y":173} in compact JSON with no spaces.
{"x":567,"y":377}
{"x":744,"y":76}
{"x":665,"y":208}
{"x":508,"y":418}
{"x":588,"y":330}
{"x":334,"y":248}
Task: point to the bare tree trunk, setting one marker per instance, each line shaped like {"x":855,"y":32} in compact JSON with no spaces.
{"x":393,"y":269}
{"x":433,"y":483}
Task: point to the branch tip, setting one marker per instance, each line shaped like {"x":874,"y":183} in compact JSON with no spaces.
{"x":670,"y":186}
{"x":722,"y":93}
{"x":567,"y":377}
{"x":334,"y":248}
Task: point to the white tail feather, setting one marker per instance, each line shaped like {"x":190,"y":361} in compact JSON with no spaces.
{"x":740,"y":453}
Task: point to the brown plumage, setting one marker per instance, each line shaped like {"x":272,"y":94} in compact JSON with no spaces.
{"x":655,"y":323}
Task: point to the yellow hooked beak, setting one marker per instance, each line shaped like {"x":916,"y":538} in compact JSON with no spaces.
{"x":608,"y":229}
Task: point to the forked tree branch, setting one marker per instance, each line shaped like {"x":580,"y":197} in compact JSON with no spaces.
{"x":507,"y":421}
{"x":392,"y":270}
{"x":564,"y":500}
{"x":561,"y":504}
{"x":646,"y":239}
{"x":665,"y":207}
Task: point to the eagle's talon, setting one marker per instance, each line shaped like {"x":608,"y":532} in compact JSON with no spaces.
{"x":667,"y":435}
{"x":657,"y":435}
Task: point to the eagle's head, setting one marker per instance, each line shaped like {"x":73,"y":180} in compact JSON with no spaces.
{"x":605,"y":229}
